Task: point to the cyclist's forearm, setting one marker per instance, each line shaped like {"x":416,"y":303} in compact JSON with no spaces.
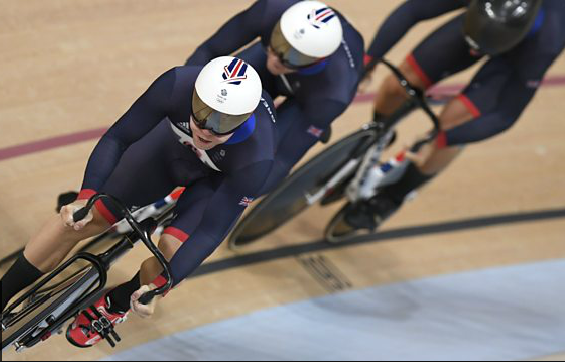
{"x":240,"y":30}
{"x":402,"y":20}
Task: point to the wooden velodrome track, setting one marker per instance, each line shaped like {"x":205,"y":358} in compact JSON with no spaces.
{"x":68,"y":67}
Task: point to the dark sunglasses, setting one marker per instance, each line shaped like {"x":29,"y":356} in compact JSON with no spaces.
{"x":290,"y":65}
{"x":202,"y":125}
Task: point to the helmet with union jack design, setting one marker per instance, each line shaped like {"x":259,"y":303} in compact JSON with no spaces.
{"x":307,"y":32}
{"x":226,"y":93}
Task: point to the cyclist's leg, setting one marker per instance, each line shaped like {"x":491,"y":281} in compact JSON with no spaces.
{"x":481,"y":96}
{"x":189,"y":211}
{"x":428,"y":64}
{"x":44,"y":252}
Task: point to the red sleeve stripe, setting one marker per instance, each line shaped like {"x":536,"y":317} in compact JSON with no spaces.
{"x":159,"y":282}
{"x":86,"y":194}
{"x":367,"y":59}
{"x":106,"y":214}
{"x":177,"y":233}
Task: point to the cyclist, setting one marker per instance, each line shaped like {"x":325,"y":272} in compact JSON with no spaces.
{"x":518,"y":39}
{"x":209,"y":128}
{"x":308,"y":53}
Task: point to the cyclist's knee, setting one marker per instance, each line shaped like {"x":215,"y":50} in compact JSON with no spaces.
{"x":392,"y":89}
{"x":412,"y":76}
{"x":455,"y":113}
{"x":169,"y":245}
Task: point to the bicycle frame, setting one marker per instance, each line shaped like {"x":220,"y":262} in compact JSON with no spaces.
{"x":340,"y":171}
{"x":78,"y":295}
{"x":361,"y":186}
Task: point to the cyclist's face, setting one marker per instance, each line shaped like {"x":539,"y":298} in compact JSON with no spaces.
{"x":205,"y":140}
{"x":274,"y":64}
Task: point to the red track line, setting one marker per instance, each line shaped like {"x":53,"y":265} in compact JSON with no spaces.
{"x":73,"y":138}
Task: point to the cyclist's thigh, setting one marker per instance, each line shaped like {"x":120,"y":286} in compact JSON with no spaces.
{"x":442,"y":54}
{"x":190,"y":208}
{"x":149,"y":170}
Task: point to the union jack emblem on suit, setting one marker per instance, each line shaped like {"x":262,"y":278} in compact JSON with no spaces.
{"x":246,"y":201}
{"x":235,"y":72}
{"x":316,"y":132}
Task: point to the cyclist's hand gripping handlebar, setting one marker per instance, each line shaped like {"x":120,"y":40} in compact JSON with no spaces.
{"x":143,"y":235}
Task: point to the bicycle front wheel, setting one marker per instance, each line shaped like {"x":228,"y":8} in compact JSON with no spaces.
{"x":37,"y":319}
{"x":290,"y":198}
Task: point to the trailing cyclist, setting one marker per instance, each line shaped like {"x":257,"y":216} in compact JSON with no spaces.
{"x":307,"y":52}
{"x":519,"y":41}
{"x":220,"y":144}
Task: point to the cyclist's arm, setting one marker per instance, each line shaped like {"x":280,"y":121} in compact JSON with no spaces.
{"x":224,"y":208}
{"x":240,"y":30}
{"x":146,"y":113}
{"x":514,"y":97}
{"x":402,"y":20}
{"x":321,"y":113}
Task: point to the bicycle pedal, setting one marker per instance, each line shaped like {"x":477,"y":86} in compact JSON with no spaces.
{"x":108,"y":332}
{"x":109,"y":340}
{"x":115,"y":335}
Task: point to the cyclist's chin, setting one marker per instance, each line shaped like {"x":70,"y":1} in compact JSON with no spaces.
{"x":276,"y":68}
{"x":205,"y":145}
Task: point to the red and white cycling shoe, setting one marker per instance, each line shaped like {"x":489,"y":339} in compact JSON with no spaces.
{"x":95,"y":324}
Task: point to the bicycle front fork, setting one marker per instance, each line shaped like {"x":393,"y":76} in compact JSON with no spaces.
{"x":373,"y":174}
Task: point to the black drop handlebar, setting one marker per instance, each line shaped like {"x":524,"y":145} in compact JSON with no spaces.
{"x":419,"y":98}
{"x":146,"y":298}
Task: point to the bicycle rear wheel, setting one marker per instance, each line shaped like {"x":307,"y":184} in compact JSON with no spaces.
{"x":289,"y":199}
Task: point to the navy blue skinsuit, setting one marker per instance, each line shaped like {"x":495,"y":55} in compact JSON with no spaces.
{"x":148,"y":152}
{"x":505,"y":84}
{"x":315,"y":96}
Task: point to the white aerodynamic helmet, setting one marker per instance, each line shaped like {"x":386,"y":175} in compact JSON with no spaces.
{"x":226,"y":93}
{"x":307,"y":32}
